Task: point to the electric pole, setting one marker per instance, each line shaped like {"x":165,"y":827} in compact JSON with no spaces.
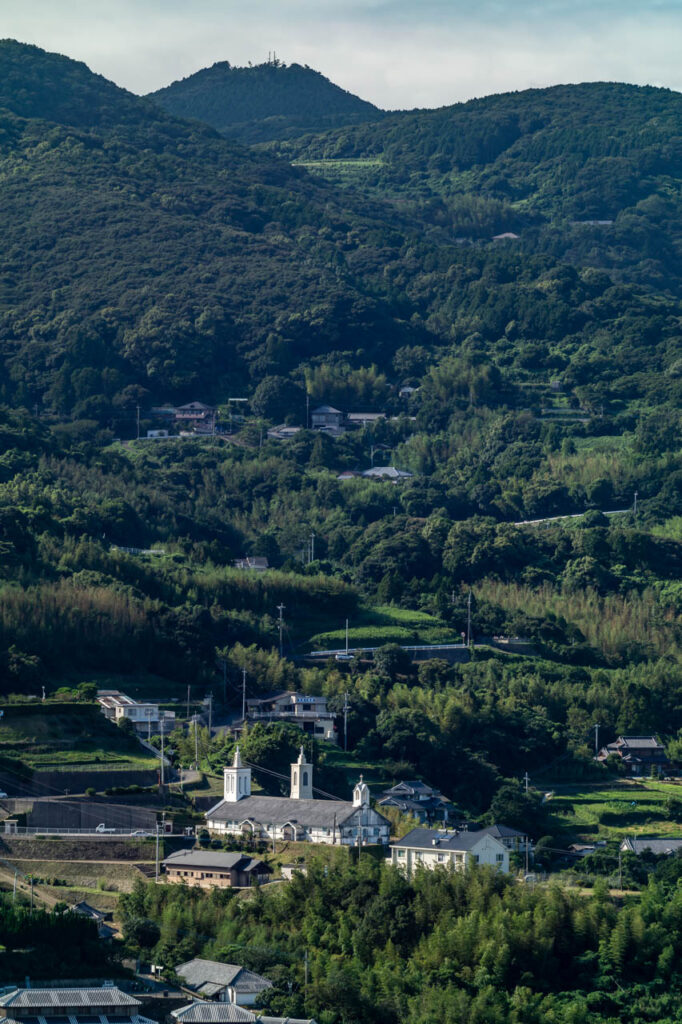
{"x":224,"y":681}
{"x":138,"y":422}
{"x":469,"y":620}
{"x":312,"y":547}
{"x":281,"y":608}
{"x":163,"y":777}
{"x":305,"y":964}
{"x":526,"y":779}
{"x":596,"y":740}
{"x":196,"y":743}
{"x":157,"y":852}
{"x":634,"y":507}
{"x":346,"y":709}
{"x":188,"y":689}
{"x":244,"y":691}
{"x":210,"y":716}
{"x":307,"y":411}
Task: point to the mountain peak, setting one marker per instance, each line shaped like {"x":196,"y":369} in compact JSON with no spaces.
{"x":261,"y":102}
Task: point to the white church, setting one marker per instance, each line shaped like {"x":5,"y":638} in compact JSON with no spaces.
{"x":299,"y":817}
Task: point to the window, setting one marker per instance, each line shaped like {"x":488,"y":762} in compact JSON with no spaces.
{"x":441,"y":858}
{"x":477,"y":859}
{"x":401,"y":853}
{"x":499,"y":857}
{"x":305,"y":778}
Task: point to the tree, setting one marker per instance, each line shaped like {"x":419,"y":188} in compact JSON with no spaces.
{"x":278,"y":398}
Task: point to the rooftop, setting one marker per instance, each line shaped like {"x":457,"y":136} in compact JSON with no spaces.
{"x":283,"y":810}
{"x":63,"y":998}
{"x":214,"y":859}
{"x":205,"y":974}
{"x":441,"y":839}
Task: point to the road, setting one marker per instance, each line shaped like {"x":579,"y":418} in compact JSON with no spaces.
{"x":573,"y":515}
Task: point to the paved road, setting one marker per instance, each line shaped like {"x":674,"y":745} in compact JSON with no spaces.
{"x":573,"y":515}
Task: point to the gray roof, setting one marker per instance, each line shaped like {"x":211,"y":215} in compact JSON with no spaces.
{"x":441,"y":839}
{"x":639,"y":742}
{"x":58,"y":998}
{"x":282,"y":809}
{"x":501,"y":832}
{"x":214,"y":859}
{"x":653,"y":845}
{"x":212,"y":1013}
{"x":209,"y":977}
{"x":226,"y":1013}
{"x":326,"y":408}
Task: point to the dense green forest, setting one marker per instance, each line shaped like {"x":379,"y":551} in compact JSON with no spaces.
{"x":439,"y":949}
{"x":266,"y":102}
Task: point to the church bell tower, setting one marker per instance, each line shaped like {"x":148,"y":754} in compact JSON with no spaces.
{"x":301,"y":779}
{"x":237,"y":780}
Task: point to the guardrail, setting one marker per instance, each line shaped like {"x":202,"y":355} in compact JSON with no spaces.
{"x":25,"y":830}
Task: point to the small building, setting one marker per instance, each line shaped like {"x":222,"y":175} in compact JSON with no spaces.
{"x":428,"y":848}
{"x":226,"y":983}
{"x":348,"y":474}
{"x":421,"y":801}
{"x":299,"y":817}
{"x":226,"y":1013}
{"x":406,"y":391}
{"x":283,"y":432}
{"x":211,"y":869}
{"x":254,"y":563}
{"x":144,"y":716}
{"x":195,"y":414}
{"x":505,"y":236}
{"x":327,"y":418}
{"x":308,"y":712}
{"x":107,"y":1005}
{"x":514,"y":840}
{"x":364,"y":419}
{"x":157,"y":433}
{"x":387,"y":473}
{"x":639,"y":754}
{"x":83,"y":909}
{"x":657,"y":845}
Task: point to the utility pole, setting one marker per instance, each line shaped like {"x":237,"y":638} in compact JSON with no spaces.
{"x":469,"y":620}
{"x":163,"y":776}
{"x":634,"y":507}
{"x":224,"y":680}
{"x":196,"y":743}
{"x":138,"y":422}
{"x":157,"y":852}
{"x":210,"y":716}
{"x":14,"y":890}
{"x":305,"y":965}
{"x":526,"y":779}
{"x":31,"y":893}
{"x":307,"y":411}
{"x":188,"y":689}
{"x":312,"y":547}
{"x":244,"y":691}
{"x":280,"y":608}
{"x":346,"y":709}
{"x":596,"y":740}
{"x":620,"y":869}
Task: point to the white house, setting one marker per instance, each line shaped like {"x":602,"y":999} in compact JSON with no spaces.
{"x":309,"y":713}
{"x":298,"y":817}
{"x":145,"y":717}
{"x":429,"y":848}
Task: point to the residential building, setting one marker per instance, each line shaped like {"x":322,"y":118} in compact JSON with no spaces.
{"x":387,"y":473}
{"x":256,"y":563}
{"x":658,"y":845}
{"x":299,"y":816}
{"x":364,"y":419}
{"x":145,"y":716}
{"x":421,"y":801}
{"x":639,"y":754}
{"x":227,"y":1013}
{"x":283,"y":432}
{"x":106,"y":1005}
{"x":309,"y":713}
{"x":328,"y":419}
{"x":195,"y":415}
{"x":83,"y":909}
{"x":429,"y":848}
{"x":226,"y":983}
{"x":515,"y":841}
{"x":211,"y":869}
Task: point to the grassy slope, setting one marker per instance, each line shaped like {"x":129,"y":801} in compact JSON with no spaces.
{"x":70,"y":741}
{"x":612,"y":811}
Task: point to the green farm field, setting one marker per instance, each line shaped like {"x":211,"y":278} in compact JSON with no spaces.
{"x":613,"y":811}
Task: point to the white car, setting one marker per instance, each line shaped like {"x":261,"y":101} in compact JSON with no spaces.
{"x":103,"y":828}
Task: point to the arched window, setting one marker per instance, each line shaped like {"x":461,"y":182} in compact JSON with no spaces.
{"x":295,"y":778}
{"x":240,"y":783}
{"x":305,"y":778}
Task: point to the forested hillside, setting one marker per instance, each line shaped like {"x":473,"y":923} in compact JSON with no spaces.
{"x":147,"y":259}
{"x":265,"y":102}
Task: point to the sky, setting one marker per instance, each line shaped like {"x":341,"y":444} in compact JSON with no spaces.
{"x":396,"y":53}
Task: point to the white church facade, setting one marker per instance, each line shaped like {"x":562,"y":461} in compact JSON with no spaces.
{"x":299,"y":817}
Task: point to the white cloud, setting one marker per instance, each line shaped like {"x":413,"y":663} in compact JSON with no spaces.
{"x":397,"y":53}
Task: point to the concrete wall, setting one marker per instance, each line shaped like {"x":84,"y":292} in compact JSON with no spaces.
{"x":87,"y":814}
{"x":54,"y":783}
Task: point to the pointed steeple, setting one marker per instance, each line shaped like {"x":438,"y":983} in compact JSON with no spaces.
{"x":237,"y":780}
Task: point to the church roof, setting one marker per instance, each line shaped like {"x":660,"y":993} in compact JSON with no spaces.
{"x":281,"y":809}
